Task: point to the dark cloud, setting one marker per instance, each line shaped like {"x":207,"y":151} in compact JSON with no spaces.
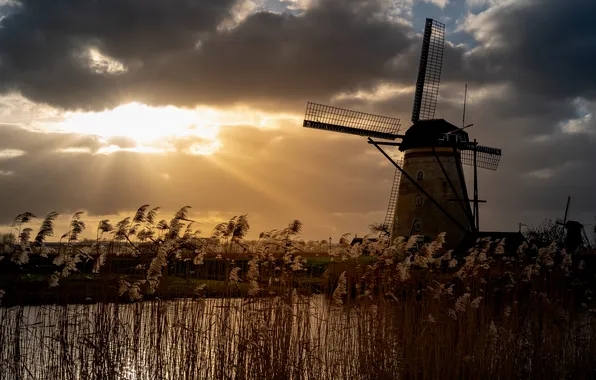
{"x":534,"y":59}
{"x":176,"y":54}
{"x":544,"y":47}
{"x":15,"y":137}
{"x":41,"y":44}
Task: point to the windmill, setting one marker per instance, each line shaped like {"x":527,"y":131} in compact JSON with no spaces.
{"x":429,"y":193}
{"x":575,"y":234}
{"x":560,"y":221}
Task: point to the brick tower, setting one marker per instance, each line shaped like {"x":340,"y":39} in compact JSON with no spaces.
{"x":435,"y":165}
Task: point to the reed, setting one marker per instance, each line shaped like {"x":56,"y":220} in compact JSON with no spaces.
{"x":411,"y":312}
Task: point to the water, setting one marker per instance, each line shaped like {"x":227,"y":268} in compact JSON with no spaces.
{"x":186,"y":339}
{"x":282,"y":338}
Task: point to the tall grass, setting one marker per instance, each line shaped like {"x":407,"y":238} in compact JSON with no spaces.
{"x":414,"y":312}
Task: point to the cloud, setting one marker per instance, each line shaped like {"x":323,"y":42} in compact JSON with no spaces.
{"x":544,"y":47}
{"x":584,"y":124}
{"x":475,"y":4}
{"x":300,"y":5}
{"x":122,"y":142}
{"x":41,"y":43}
{"x":531,"y":92}
{"x":439,"y":3}
{"x":174,"y":53}
{"x":17,"y":142}
{"x":10,"y":153}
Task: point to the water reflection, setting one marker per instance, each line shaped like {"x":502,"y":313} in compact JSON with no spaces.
{"x":292,"y":337}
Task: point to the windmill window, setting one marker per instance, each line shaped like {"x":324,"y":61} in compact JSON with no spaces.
{"x":420,"y":175}
{"x":417,"y":225}
{"x":418,"y":200}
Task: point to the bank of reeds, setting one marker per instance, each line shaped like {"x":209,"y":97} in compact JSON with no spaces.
{"x":414,"y":312}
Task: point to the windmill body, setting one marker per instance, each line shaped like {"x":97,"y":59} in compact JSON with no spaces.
{"x":434,"y":162}
{"x":429,"y":193}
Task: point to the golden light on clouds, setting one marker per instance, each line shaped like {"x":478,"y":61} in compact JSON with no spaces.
{"x":142,"y":123}
{"x":205,"y":149}
{"x":140,"y":128}
{"x":102,"y":64}
{"x":379,"y":93}
{"x":10,"y":153}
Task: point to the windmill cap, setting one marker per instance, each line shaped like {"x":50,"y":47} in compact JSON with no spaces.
{"x":429,"y":133}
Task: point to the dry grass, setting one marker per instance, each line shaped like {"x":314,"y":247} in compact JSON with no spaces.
{"x":413,"y":313}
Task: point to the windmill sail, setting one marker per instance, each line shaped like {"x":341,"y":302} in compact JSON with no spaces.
{"x":486,"y":157}
{"x":390,"y":214}
{"x":429,"y":71}
{"x":328,"y":118}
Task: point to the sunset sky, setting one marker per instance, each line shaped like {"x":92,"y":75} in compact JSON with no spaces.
{"x":106,"y":105}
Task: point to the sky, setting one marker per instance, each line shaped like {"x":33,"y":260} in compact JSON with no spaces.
{"x":107,"y":105}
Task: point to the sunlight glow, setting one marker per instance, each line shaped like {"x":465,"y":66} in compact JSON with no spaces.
{"x":11,"y":153}
{"x":74,"y":150}
{"x":158,"y":129}
{"x":101,"y":64}
{"x":381,"y":92}
{"x":138,"y":149}
{"x":205,"y":149}
{"x":142,"y":123}
{"x":239,"y":12}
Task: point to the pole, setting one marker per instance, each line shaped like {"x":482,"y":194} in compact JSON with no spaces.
{"x":476,"y":187}
{"x":463,"y":121}
{"x":463,"y":206}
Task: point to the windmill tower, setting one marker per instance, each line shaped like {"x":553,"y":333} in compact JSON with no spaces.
{"x":437,"y":168}
{"x":429,"y":193}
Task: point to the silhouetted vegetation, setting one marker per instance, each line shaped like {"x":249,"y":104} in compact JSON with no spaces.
{"x":290,"y":309}
{"x":544,"y":233}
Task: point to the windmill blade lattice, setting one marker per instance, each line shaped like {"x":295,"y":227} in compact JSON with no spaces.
{"x":328,"y":118}
{"x":486,"y":157}
{"x":393,"y":197}
{"x":429,"y":71}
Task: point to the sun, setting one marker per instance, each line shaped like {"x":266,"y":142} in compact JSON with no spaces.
{"x":152,"y":129}
{"x":141,"y":128}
